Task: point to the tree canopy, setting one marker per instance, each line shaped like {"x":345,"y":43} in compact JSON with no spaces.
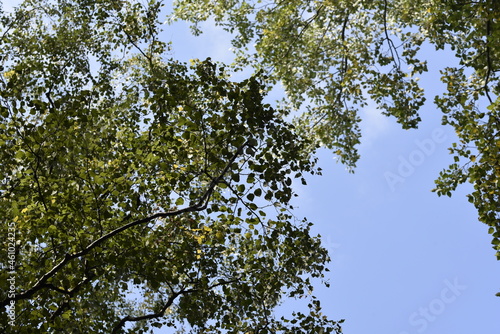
{"x":138,"y":191}
{"x":334,"y":56}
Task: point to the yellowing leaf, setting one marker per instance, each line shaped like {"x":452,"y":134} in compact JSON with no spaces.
{"x":9,"y":74}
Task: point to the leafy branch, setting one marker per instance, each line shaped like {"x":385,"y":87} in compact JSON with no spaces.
{"x":199,"y":206}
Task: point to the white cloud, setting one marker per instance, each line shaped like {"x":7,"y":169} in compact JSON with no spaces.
{"x":373,"y":124}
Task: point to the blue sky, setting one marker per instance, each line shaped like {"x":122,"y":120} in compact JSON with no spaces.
{"x":404,"y":260}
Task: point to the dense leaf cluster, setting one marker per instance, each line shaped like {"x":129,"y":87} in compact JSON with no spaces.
{"x":144,"y":192}
{"x":335,"y":55}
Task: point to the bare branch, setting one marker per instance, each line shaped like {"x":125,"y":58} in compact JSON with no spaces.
{"x":488,"y":59}
{"x":392,"y":47}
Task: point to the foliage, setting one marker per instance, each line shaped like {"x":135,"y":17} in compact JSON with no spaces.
{"x":138,"y":185}
{"x":335,"y":55}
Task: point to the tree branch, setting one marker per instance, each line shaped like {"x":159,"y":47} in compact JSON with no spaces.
{"x":488,"y":60}
{"x":394,"y":54}
{"x":169,"y":303}
{"x":150,"y":316}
